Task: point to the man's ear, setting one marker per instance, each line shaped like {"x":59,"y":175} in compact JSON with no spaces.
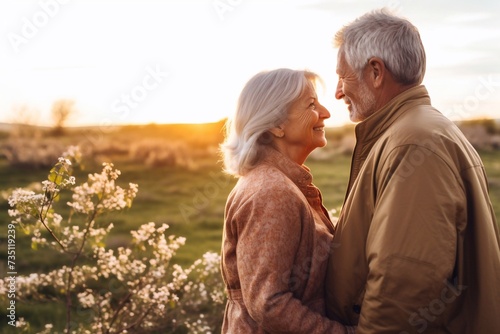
{"x":277,"y":131}
{"x":376,"y":71}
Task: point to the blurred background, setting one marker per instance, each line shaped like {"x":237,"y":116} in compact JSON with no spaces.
{"x":168,"y":61}
{"x":148,"y":84}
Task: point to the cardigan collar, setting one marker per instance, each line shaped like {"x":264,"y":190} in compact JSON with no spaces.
{"x":301,"y":176}
{"x":298,"y":174}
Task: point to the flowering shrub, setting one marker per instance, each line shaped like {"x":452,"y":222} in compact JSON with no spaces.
{"x":134,"y":289}
{"x":32,"y":152}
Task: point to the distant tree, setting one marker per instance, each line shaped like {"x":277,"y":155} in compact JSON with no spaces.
{"x":62,"y":111}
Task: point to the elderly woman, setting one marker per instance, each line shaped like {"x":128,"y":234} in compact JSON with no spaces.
{"x":277,"y":234}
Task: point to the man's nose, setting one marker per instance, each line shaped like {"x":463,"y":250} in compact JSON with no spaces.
{"x":339,"y":92}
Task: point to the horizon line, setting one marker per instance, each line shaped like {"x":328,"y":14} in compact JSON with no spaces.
{"x":117,"y":125}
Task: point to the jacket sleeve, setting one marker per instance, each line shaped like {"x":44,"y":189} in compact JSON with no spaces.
{"x":269,"y":231}
{"x":411,"y":244}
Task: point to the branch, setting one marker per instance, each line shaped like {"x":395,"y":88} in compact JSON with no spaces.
{"x":70,"y":273}
{"x":42,"y":217}
{"x":54,"y":237}
{"x":122,"y":304}
{"x":120,"y":307}
{"x":138,"y":321}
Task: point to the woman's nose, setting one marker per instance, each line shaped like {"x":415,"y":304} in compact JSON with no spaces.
{"x":324,"y":113}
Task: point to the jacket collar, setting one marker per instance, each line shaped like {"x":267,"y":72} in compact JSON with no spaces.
{"x":376,"y":124}
{"x":368,"y":131}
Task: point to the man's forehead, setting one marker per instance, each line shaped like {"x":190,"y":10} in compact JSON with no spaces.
{"x":340,"y":61}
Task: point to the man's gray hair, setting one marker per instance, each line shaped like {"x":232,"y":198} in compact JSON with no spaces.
{"x":391,"y":38}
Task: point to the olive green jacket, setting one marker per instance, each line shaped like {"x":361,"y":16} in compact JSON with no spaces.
{"x":417,"y":246}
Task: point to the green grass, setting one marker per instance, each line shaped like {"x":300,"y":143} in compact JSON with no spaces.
{"x":491,"y":162}
{"x":331,"y":178}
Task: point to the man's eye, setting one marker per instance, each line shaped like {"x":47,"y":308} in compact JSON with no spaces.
{"x":312,"y":105}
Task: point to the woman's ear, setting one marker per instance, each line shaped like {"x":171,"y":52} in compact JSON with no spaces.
{"x":277,"y":131}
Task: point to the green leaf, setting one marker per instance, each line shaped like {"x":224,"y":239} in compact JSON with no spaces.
{"x":25,"y":229}
{"x":55,"y":176}
{"x":172,"y":304}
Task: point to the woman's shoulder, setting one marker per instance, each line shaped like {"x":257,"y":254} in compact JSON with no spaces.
{"x":269,"y":175}
{"x":266,"y":186}
{"x":265,"y":180}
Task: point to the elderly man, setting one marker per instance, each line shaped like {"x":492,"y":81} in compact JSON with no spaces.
{"x":417,"y":247}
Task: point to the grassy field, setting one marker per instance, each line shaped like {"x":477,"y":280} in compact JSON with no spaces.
{"x":191,"y":200}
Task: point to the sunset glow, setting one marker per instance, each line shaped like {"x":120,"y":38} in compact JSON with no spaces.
{"x":169,"y":61}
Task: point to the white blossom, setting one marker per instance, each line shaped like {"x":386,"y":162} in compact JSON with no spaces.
{"x":133,"y":284}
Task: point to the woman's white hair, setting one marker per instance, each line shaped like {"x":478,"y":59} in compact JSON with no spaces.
{"x":393,"y":39}
{"x":263,"y":104}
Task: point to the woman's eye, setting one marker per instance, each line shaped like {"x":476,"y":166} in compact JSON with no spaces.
{"x":312,"y":105}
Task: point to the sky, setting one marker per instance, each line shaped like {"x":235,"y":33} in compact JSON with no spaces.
{"x":186,"y":61}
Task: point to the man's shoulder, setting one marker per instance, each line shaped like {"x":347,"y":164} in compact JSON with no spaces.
{"x":421,"y":124}
{"x":421,"y":121}
{"x":425,"y":128}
